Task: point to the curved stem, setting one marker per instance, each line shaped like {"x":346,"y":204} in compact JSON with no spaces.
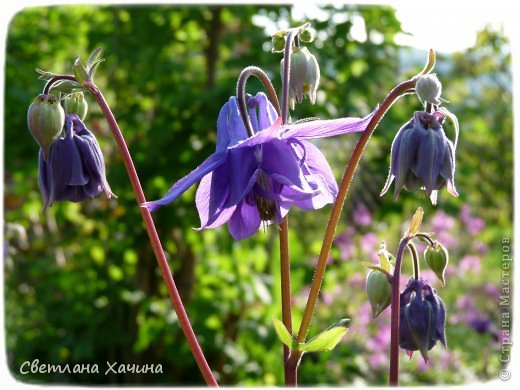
{"x":150,"y":229}
{"x":330,"y":231}
{"x":241,"y":94}
{"x":426,"y":237}
{"x":48,"y":85}
{"x":394,"y":317}
{"x":415,"y":259}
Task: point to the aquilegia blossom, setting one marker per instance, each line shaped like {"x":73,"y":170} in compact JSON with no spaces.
{"x":250,"y":180}
{"x":422,"y":157}
{"x":422,"y":318}
{"x":75,"y":168}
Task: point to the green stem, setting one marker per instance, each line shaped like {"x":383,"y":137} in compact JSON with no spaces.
{"x":285,"y":281}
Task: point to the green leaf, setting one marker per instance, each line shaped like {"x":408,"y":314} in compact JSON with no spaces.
{"x":283,"y":334}
{"x":92,"y":69}
{"x":416,"y":222}
{"x":385,"y":257}
{"x":80,"y":72}
{"x":325,"y":341}
{"x":93,"y":59}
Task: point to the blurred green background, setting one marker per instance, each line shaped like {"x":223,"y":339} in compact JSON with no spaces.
{"x":81,"y":283}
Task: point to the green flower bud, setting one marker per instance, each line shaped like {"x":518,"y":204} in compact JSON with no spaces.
{"x":306,"y":36}
{"x":45,"y":119}
{"x":278,"y":44}
{"x":379,"y":291}
{"x":437,"y":257}
{"x":428,"y":88}
{"x":75,"y":103}
{"x":304,"y":75}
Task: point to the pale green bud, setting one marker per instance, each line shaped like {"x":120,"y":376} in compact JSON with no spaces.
{"x":75,"y":103}
{"x":45,"y":119}
{"x":428,"y":88}
{"x":437,"y":258}
{"x":379,"y":291}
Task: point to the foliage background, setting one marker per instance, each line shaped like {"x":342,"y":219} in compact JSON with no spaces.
{"x":81,"y":282}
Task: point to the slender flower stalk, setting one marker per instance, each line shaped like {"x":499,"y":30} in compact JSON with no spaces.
{"x":394,"y":316}
{"x":400,"y":90}
{"x":150,"y":229}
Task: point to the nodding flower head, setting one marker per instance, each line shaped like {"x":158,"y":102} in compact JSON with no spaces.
{"x":253,"y":180}
{"x":75,"y":169}
{"x":45,"y":119}
{"x":304,"y":75}
{"x":422,"y":318}
{"x":422,"y":157}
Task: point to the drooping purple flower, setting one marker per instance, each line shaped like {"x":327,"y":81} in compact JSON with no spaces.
{"x":422,"y":318}
{"x":422,"y":157}
{"x":250,"y":180}
{"x":75,"y":169}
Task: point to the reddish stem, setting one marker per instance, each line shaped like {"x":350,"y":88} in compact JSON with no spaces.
{"x":155,"y":241}
{"x":150,"y":228}
{"x":394,"y":318}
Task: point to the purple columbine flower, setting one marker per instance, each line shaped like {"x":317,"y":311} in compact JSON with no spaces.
{"x":422,"y":318}
{"x":250,"y":180}
{"x":75,"y":169}
{"x":422,"y":157}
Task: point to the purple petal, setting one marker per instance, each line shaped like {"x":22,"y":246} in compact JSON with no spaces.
{"x":209,"y":218}
{"x":263,"y":136}
{"x":212,"y":162}
{"x":430,"y":157}
{"x":66,"y":168}
{"x":266,"y":111}
{"x":280,"y":162}
{"x":326,"y":128}
{"x":223,"y":139}
{"x":245,"y":221}
{"x":318,"y":165}
{"x":237,"y":130}
{"x":43,"y":180}
{"x":243,"y":172}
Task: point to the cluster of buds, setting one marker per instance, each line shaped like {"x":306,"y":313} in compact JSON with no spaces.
{"x":71,"y":164}
{"x":304,"y":70}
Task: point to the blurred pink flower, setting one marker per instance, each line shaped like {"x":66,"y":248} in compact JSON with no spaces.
{"x":469,"y":263}
{"x":345,"y":242}
{"x":442,"y":221}
{"x":361,"y":215}
{"x":370,"y":245}
{"x":474,"y":225}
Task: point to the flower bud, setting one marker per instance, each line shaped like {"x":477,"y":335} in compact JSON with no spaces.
{"x":304,"y":75}
{"x":428,"y":88}
{"x":45,"y":119}
{"x":422,"y":318}
{"x":306,"y":36}
{"x":379,"y":291}
{"x":278,"y":44}
{"x":75,"y":104}
{"x":437,"y":257}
